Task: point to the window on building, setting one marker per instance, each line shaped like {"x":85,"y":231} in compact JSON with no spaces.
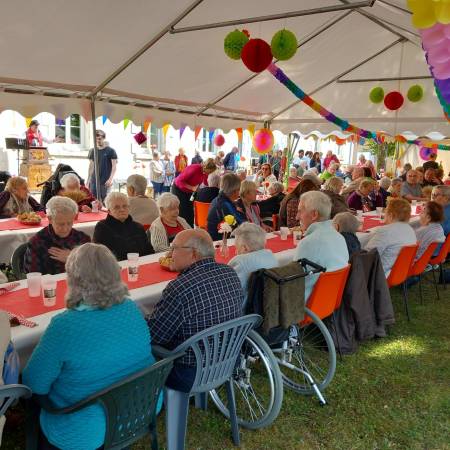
{"x":68,"y":130}
{"x":203,"y":137}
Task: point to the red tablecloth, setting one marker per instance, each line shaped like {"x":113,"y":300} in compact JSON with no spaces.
{"x":18,"y":302}
{"x":14,"y":224}
{"x":371,"y":222}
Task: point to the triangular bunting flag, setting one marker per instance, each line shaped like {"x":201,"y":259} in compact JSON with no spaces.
{"x":126,"y":121}
{"x":165,"y":129}
{"x":146,"y":125}
{"x":182,"y":128}
{"x":211,"y":134}
{"x":197,"y":132}
{"x":239,"y":133}
{"x":251,"y":130}
{"x":28,"y":121}
{"x":104,"y":119}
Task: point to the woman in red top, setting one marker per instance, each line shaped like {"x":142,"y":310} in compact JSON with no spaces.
{"x":187,"y":183}
{"x":181,"y":162}
{"x":329,"y":158}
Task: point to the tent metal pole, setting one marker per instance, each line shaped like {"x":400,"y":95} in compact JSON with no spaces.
{"x":143,"y":49}
{"x":393,"y":44}
{"x":96,"y":167}
{"x":363,"y":80}
{"x":399,"y":8}
{"x":326,"y":26}
{"x":304,"y":12}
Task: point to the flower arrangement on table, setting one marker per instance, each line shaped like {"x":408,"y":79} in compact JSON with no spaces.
{"x":225,"y":228}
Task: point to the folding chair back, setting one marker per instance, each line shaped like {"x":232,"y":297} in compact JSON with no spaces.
{"x":402,"y":266}
{"x":201,"y":210}
{"x":443,"y":252}
{"x":419,"y":266}
{"x":326,"y":296}
{"x":17,"y":260}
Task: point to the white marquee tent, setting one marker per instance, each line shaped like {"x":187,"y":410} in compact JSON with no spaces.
{"x":144,"y":61}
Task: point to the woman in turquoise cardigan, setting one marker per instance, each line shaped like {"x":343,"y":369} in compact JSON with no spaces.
{"x":100,"y":339}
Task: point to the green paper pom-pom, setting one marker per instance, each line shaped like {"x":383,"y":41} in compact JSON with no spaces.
{"x":284,"y":45}
{"x":376,"y":95}
{"x":415,"y":93}
{"x":233,"y":44}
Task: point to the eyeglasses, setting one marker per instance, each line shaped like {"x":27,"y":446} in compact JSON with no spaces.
{"x":175,"y":247}
{"x":100,"y":135}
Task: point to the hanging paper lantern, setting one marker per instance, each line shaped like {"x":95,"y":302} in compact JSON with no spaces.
{"x":263,"y":141}
{"x":427,"y":12}
{"x":284,"y":45}
{"x":140,"y":138}
{"x":426,"y":152}
{"x":415,"y":93}
{"x":233,"y":44}
{"x":394,"y":100}
{"x":256,"y":55}
{"x":376,"y":95}
{"x":219,"y":140}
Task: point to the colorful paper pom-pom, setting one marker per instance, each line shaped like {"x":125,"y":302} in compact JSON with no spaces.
{"x":256,"y":55}
{"x":140,"y":138}
{"x":284,"y":45}
{"x":263,"y":140}
{"x":394,"y":100}
{"x":426,"y":152}
{"x":234,"y":43}
{"x":415,"y":93}
{"x":219,"y":140}
{"x":376,"y":95}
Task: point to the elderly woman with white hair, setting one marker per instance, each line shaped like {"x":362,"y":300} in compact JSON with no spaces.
{"x":208,"y":193}
{"x":271,"y":205}
{"x":142,"y":208}
{"x":321,"y":244}
{"x":347,"y":224}
{"x":168,"y":224}
{"x":384,"y":184}
{"x":50,"y":247}
{"x":251,"y":254}
{"x":247,"y":204}
{"x":99,"y":340}
{"x":81,"y":195}
{"x":119,"y":232}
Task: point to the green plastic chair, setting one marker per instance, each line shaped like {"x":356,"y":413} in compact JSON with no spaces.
{"x":129,"y":405}
{"x":17,"y":260}
{"x":216,"y":351}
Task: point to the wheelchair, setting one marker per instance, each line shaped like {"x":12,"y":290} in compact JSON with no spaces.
{"x":302,"y":358}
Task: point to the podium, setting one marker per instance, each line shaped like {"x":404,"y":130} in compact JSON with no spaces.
{"x":34,"y":162}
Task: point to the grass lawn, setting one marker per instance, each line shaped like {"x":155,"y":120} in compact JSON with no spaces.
{"x":394,"y":393}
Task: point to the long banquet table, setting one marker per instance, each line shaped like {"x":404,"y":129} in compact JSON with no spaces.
{"x":12,"y":233}
{"x":146,"y":296}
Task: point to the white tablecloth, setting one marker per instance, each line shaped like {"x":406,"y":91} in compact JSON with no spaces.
{"x":10,"y":240}
{"x":25,"y":339}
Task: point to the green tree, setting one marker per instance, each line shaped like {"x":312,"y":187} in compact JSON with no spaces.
{"x":381,"y":150}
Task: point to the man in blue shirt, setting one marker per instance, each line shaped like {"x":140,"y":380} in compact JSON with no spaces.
{"x":107,"y":165}
{"x":204,"y":294}
{"x":229,"y":163}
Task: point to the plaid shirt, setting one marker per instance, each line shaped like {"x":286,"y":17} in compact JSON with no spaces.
{"x":203,"y":295}
{"x":37,"y":258}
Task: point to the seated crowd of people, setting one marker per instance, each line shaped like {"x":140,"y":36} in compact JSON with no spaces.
{"x":81,"y":347}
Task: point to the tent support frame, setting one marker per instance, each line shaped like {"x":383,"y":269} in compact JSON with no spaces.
{"x":364,"y":80}
{"x":304,"y":12}
{"x":94,"y":132}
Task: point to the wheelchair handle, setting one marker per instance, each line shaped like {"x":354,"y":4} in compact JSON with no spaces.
{"x":315,"y":267}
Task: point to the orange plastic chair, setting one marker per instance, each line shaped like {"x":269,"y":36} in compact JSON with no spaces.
{"x":400,"y":271}
{"x":326,"y":296}
{"x":439,"y":260}
{"x":146,"y":226}
{"x":418,"y":267}
{"x":201,"y":210}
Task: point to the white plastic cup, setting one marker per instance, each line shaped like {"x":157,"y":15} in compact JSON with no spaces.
{"x":297,"y":236}
{"x":284,"y":231}
{"x":34,"y":284}
{"x":414,"y":207}
{"x":380,"y":211}
{"x":359,"y":214}
{"x":49,"y":284}
{"x":94,"y":205}
{"x":133,"y":266}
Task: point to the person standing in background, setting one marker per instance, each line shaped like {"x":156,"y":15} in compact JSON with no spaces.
{"x":229,"y":162}
{"x":181,"y":162}
{"x":107,"y":166}
{"x":34,"y":136}
{"x":156,"y":175}
{"x":219,"y":159}
{"x":169,"y":172}
{"x":197,"y":159}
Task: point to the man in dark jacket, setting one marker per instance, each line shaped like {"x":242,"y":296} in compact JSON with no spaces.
{"x":119,"y":232}
{"x":229,"y":163}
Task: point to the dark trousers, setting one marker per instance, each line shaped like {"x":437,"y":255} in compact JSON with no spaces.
{"x":103,"y":191}
{"x":158,"y":188}
{"x":186,"y":205}
{"x":181,"y":378}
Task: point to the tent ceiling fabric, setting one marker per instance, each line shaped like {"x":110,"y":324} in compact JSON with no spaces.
{"x":185,"y":78}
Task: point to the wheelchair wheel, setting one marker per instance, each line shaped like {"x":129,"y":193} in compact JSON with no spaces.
{"x":309,"y":349}
{"x":258,"y":385}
